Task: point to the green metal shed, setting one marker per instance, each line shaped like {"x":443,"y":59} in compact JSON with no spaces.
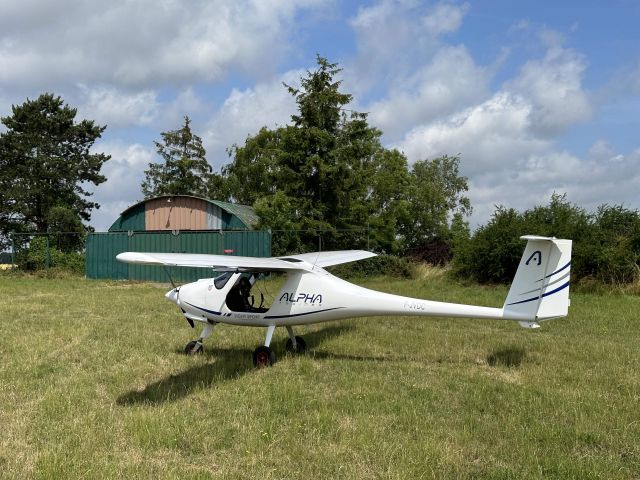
{"x":175,"y":224}
{"x":184,"y":212}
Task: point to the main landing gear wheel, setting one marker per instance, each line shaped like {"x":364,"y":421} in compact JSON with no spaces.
{"x":263,"y":357}
{"x":193,"y":348}
{"x":301,"y":345}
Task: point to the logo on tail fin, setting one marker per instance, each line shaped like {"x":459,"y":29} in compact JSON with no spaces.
{"x":535,"y":254}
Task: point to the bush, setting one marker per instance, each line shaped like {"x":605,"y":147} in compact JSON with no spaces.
{"x":436,"y":252}
{"x":606,"y":245}
{"x":612,"y":249}
{"x":375,"y":266}
{"x":37,"y":257}
{"x":493,"y":252}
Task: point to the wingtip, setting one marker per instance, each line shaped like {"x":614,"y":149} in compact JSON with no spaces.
{"x":137,"y":257}
{"x":122,"y":257}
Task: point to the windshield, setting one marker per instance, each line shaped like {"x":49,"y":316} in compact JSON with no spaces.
{"x":221,"y":280}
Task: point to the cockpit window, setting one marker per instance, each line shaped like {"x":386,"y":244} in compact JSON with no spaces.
{"x":221,"y":280}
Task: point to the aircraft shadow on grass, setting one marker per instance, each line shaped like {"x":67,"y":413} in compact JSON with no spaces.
{"x":230,"y":363}
{"x":506,"y":357}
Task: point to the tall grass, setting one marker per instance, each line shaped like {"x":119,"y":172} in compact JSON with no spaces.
{"x":93,"y":385}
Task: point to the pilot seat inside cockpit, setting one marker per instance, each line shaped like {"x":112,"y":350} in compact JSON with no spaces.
{"x":239,"y":298}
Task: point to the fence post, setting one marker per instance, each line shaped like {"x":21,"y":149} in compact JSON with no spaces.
{"x":48,"y":253}
{"x":13,"y":251}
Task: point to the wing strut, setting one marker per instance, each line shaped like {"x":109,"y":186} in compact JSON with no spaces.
{"x":166,"y":269}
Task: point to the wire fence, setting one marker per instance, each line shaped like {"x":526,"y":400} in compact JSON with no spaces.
{"x":45,"y":250}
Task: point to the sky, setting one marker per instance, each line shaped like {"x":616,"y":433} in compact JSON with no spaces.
{"x":536,"y":97}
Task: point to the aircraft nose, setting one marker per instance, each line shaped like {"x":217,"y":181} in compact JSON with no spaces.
{"x":172,"y":295}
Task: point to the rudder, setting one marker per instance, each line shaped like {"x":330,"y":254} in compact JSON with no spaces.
{"x":540,"y":289}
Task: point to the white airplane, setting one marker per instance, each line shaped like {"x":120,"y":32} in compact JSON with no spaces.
{"x":540,"y":291}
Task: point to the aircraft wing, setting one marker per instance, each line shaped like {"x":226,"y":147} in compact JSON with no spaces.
{"x":327,"y":259}
{"x":218,"y":263}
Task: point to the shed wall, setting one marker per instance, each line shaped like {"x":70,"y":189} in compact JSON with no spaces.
{"x":181,"y":213}
{"x":214,"y":217}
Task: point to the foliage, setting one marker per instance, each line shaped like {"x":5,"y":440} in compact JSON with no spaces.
{"x":436,"y":194}
{"x":381,"y":265}
{"x":494,"y":250}
{"x":606,"y":244}
{"x":67,"y":230}
{"x":41,"y":255}
{"x":612,"y":250}
{"x":328,"y":174}
{"x":184,"y":171}
{"x":45,"y":163}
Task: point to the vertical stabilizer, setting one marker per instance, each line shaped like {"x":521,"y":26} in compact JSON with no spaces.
{"x":540,"y":289}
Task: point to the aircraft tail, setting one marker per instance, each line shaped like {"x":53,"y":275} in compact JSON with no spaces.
{"x":540,"y":289}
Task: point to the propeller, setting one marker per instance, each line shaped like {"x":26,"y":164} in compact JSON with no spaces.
{"x":174,"y":296}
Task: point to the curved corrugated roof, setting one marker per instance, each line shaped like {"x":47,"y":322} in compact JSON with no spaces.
{"x":245,"y":213}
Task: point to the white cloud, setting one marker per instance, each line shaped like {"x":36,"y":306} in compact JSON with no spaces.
{"x":109,"y":106}
{"x":186,"y":103}
{"x":490,"y":136}
{"x":635,"y":79}
{"x":449,"y":82}
{"x":393,"y":36}
{"x":601,"y":150}
{"x":143,"y":43}
{"x":508,"y":142}
{"x":588,"y":182}
{"x":244,"y":112}
{"x":445,"y":18}
{"x":554,"y":86}
{"x":124,"y":172}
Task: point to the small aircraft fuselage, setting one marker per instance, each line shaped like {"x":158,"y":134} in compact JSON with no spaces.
{"x":310,"y":294}
{"x":307,"y":297}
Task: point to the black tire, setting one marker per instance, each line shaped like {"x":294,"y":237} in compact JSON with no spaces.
{"x":301,"y":345}
{"x":263,"y":357}
{"x":193,"y":348}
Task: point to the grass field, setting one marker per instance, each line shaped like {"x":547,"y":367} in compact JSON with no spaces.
{"x":93,"y":385}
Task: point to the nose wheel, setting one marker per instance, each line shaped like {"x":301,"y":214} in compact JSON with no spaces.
{"x":194,"y":347}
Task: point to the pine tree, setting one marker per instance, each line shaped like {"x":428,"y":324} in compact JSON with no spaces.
{"x":185,"y":170}
{"x":46,"y":164}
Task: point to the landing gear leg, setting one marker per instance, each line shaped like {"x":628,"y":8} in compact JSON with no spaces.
{"x":195,"y":346}
{"x":263,"y":356}
{"x":295,"y":344}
